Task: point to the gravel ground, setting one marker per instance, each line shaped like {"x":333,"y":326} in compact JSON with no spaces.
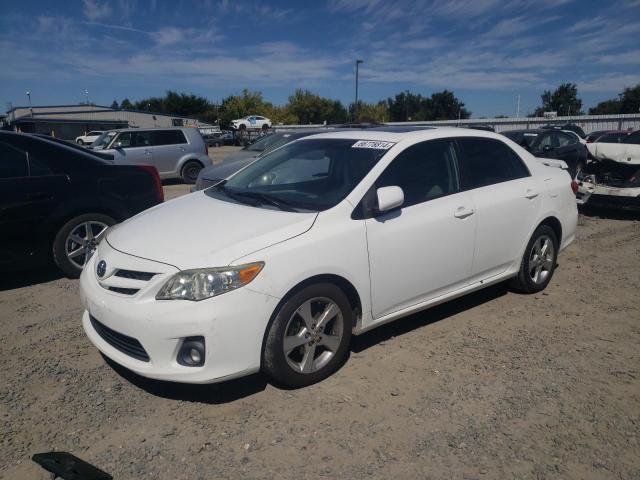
{"x":493,"y":385}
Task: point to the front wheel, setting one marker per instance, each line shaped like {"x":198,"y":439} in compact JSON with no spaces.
{"x":77,"y":239}
{"x":539,"y":261}
{"x":80,"y":142}
{"x":190,"y":172}
{"x":265,"y":127}
{"x":309,"y":337}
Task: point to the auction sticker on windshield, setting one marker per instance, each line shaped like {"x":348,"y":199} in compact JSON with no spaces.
{"x":373,"y":144}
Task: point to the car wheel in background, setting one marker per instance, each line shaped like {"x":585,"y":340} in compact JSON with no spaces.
{"x":242,"y":127}
{"x":538,"y":262}
{"x":265,"y":127}
{"x":309,"y":337}
{"x":79,"y":141}
{"x":190,"y":171}
{"x":77,"y":239}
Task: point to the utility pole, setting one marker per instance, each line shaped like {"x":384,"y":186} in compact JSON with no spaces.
{"x":518,"y":107}
{"x":355,"y":108}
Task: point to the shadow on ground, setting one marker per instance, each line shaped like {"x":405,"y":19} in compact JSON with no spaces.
{"x":610,"y":213}
{"x":25,"y":278}
{"x":229,"y":391}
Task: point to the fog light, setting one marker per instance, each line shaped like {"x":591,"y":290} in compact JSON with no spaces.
{"x":192,"y":352}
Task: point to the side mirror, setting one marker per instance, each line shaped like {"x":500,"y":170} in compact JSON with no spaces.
{"x":547,"y":148}
{"x":118,"y":145}
{"x":389,"y":198}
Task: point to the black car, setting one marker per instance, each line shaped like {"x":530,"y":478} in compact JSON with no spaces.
{"x":552,"y":143}
{"x":633,"y":138}
{"x":56,"y":202}
{"x":567,"y":126}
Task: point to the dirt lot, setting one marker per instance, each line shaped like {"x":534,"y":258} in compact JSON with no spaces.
{"x":495,"y":385}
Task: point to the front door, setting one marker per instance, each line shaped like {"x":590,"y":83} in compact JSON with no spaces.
{"x":425,"y":249}
{"x":133,"y":148}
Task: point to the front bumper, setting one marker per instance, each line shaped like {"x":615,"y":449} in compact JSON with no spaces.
{"x":233,"y":324}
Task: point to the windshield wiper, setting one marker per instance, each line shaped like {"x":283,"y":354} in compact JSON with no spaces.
{"x":266,"y":198}
{"x":261,"y":197}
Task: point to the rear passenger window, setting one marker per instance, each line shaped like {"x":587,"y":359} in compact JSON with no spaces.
{"x":424,"y":171}
{"x":13,"y":162}
{"x":487,"y":161}
{"x":169,"y":137}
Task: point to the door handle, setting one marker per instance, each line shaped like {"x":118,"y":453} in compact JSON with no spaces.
{"x":463,"y":212}
{"x":531,"y":194}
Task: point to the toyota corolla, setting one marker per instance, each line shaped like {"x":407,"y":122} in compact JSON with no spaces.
{"x":329,"y":236}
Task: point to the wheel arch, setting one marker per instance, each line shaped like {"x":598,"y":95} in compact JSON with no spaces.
{"x":555,"y":225}
{"x":345,"y":285}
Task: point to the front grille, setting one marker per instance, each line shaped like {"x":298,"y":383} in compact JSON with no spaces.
{"x":124,"y":291}
{"x":133,"y":275}
{"x":119,"y":341}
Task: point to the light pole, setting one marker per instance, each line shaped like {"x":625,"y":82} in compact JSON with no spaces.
{"x":29,"y":97}
{"x":518,"y":107}
{"x":355,"y":108}
{"x":86,"y":96}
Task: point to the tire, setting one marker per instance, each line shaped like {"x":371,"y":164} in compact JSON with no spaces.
{"x":242,"y":127}
{"x":265,"y":127}
{"x":534,"y":275}
{"x":319,"y":350}
{"x":64,"y":245}
{"x":80,"y":142}
{"x":190,"y":171}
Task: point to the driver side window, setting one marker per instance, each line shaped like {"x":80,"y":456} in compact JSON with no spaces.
{"x":424,"y":171}
{"x":124,"y":139}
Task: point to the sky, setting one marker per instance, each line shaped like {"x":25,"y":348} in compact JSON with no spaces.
{"x":488,"y":52}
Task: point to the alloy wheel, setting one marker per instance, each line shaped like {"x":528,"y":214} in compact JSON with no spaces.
{"x":82,"y":241}
{"x":313,"y":335}
{"x":541,"y":259}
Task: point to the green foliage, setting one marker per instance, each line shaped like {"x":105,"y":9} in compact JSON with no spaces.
{"x":307,"y":107}
{"x":563,"y":100}
{"x":126,"y":103}
{"x":407,"y":106}
{"x":369,"y":112}
{"x":628,"y":103}
{"x":114,"y":104}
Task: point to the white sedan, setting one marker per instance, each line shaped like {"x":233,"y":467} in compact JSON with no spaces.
{"x":251,"y":122}
{"x":89,"y":137}
{"x":334,"y":234}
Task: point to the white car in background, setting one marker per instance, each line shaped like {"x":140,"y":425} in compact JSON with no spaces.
{"x":89,"y":137}
{"x":251,"y":122}
{"x":331,"y":235}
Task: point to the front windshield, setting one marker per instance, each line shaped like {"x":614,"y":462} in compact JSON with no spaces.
{"x":305,"y":175}
{"x":103,"y":140}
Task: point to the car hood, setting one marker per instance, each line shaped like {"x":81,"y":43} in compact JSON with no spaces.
{"x":230,"y":165}
{"x":197,"y":231}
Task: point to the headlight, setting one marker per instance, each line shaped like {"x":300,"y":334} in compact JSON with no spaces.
{"x":202,"y":283}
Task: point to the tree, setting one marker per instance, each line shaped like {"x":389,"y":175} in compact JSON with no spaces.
{"x":114,"y":104}
{"x":405,"y":106}
{"x":249,"y":103}
{"x":563,"y":100}
{"x":629,"y":102}
{"x":308,"y":107}
{"x":126,"y":104}
{"x":369,"y":112}
{"x":444,"y":106}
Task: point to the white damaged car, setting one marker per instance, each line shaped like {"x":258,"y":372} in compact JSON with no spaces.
{"x":612,"y":177}
{"x":329,"y":236}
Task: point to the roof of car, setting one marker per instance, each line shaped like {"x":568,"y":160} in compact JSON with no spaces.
{"x":396,"y":136}
{"x":136,"y":129}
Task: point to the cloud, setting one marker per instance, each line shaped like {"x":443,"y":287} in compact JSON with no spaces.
{"x":95,"y":10}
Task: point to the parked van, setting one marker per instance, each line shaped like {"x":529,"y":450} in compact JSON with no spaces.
{"x":178,"y":152}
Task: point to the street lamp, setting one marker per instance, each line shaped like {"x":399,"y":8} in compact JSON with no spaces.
{"x":86,"y":96}
{"x":29,"y":97}
{"x":355,"y":109}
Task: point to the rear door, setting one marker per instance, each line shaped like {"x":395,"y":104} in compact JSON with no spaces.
{"x":425,"y":249}
{"x":169,"y":146}
{"x":506,"y":199}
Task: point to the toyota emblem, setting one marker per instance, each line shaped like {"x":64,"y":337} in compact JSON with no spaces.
{"x":101,"y":268}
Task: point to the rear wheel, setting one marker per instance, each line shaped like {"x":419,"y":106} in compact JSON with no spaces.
{"x":80,"y":142}
{"x":242,"y":127}
{"x":538,"y":262}
{"x":265,"y":127}
{"x":190,"y":171}
{"x":309,"y":337}
{"x":77,"y":239}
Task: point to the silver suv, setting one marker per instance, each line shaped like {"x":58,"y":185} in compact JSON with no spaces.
{"x":178,"y":152}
